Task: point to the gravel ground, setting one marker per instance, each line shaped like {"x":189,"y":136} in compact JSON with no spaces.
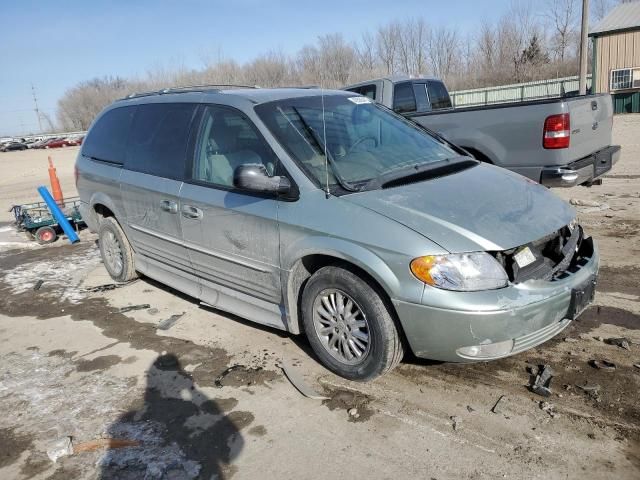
{"x":74,"y":365}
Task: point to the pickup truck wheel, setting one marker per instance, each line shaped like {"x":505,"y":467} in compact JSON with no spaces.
{"x":116,"y":251}
{"x":349,"y":326}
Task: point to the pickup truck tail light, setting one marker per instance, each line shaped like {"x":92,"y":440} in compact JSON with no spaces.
{"x":557,"y":131}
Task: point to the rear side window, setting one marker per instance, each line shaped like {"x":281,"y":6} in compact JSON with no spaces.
{"x":107,"y":139}
{"x":422,"y":100}
{"x":403,"y":98}
{"x":158,"y":140}
{"x":439,"y":96}
{"x":366,"y":90}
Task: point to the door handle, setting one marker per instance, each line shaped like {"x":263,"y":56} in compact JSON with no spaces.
{"x":189,"y":211}
{"x":169,"y":206}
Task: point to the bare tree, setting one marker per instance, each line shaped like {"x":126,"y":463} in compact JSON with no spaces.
{"x":387,"y":45}
{"x":443,"y":48}
{"x":412,"y":39}
{"x":563,"y":16}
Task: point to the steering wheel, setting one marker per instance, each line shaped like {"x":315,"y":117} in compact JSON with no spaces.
{"x":360,"y":140}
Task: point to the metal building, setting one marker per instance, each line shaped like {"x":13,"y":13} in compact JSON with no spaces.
{"x":616,"y":56}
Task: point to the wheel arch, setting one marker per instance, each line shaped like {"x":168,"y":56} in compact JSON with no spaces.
{"x":365,"y":264}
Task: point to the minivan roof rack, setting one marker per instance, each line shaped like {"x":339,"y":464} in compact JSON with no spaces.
{"x":187,"y":89}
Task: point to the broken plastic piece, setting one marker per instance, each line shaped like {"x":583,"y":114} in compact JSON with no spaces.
{"x":592,"y":390}
{"x":60,"y":448}
{"x":542,"y":384}
{"x":496,"y":407}
{"x":300,"y":385}
{"x":456,"y":422}
{"x":602,"y":364}
{"x":167,"y":323}
{"x":618,"y":342}
{"x":131,"y":308}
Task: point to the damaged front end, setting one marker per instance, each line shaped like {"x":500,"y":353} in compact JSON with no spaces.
{"x":550,"y":258}
{"x":551,"y":281}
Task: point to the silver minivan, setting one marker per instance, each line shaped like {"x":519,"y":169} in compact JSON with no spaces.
{"x":322,"y":212}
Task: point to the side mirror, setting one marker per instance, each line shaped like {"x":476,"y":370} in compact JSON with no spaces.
{"x":254,"y":178}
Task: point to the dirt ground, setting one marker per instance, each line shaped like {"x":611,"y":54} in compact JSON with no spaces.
{"x":197,"y":393}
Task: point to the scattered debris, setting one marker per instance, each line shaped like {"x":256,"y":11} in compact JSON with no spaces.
{"x":65,"y":446}
{"x":542,"y":384}
{"x":603,"y":365}
{"x":457,"y":422}
{"x":592,"y":390}
{"x":131,"y":308}
{"x":300,"y":385}
{"x":109,"y":286}
{"x":618,"y":342}
{"x":570,"y":340}
{"x":549,"y":408}
{"x":218,"y":381}
{"x":583,"y":203}
{"x":637,"y":365}
{"x":348,"y":401}
{"x":38,"y":285}
{"x":107,"y":443}
{"x":167,"y":323}
{"x":60,"y":448}
{"x":497,"y":406}
{"x":470,"y":409}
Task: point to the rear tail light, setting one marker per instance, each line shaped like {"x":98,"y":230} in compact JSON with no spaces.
{"x":557,"y":131}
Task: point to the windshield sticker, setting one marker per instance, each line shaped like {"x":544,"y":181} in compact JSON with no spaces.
{"x":359,"y":100}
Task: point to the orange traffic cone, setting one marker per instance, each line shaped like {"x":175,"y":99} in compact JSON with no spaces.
{"x":56,"y":191}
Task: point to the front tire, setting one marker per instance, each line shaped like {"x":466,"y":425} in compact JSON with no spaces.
{"x":348,"y":325}
{"x":116,"y":251}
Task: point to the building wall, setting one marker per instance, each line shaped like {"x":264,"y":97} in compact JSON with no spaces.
{"x":617,"y":50}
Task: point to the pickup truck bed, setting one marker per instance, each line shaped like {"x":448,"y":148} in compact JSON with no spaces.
{"x":511,"y":135}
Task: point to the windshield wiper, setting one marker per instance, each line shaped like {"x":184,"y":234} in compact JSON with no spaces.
{"x":327,"y":154}
{"x":419,"y":172}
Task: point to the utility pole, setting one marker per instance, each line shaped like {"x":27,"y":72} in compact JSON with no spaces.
{"x":583,"y":47}
{"x":37,"y":110}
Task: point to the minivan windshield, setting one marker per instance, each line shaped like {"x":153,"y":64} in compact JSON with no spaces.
{"x":363,"y":141}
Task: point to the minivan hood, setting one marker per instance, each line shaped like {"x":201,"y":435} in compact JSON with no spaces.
{"x":480,"y":208}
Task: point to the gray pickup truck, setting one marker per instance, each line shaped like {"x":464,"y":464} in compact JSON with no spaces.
{"x":559,"y":142}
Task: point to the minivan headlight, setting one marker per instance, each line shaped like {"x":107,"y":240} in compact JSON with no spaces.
{"x":464,"y":272}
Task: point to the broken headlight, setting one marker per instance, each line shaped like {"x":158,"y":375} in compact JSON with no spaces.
{"x":464,"y":272}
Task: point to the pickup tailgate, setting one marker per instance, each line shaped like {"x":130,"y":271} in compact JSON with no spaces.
{"x":591,"y":124}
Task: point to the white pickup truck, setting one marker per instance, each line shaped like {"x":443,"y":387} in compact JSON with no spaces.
{"x":559,"y":142}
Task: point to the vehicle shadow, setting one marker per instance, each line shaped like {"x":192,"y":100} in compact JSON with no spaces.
{"x":182,"y":434}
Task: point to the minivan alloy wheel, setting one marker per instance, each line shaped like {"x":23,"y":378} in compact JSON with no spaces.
{"x":341,"y":326}
{"x":112,"y":253}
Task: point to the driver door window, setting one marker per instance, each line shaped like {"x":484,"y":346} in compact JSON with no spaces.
{"x":227,"y":140}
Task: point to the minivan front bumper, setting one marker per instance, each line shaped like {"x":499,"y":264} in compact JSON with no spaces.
{"x":472,"y":329}
{"x":581,"y":172}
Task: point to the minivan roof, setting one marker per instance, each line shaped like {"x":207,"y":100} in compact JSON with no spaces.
{"x":205,"y":95}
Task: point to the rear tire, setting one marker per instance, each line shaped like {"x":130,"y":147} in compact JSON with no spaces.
{"x":348,"y":325}
{"x":116,"y":251}
{"x":45,"y":235}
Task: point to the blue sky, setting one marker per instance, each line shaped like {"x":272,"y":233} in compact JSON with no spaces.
{"x":55,"y":45}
